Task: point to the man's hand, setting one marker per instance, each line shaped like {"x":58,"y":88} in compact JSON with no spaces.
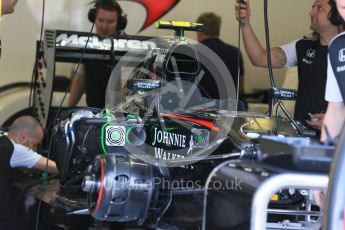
{"x":41,"y":165}
{"x":316,"y":120}
{"x":319,"y":197}
{"x":242,"y":10}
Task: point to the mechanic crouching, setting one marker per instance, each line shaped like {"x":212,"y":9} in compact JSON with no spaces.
{"x":18,"y":149}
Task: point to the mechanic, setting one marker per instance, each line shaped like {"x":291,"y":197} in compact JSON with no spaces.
{"x":92,"y":78}
{"x":335,"y":90}
{"x":308,"y":54}
{"x":18,"y":150}
{"x":227,"y":53}
{"x":335,"y":87}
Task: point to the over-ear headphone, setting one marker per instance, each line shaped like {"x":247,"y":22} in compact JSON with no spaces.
{"x":111,"y":5}
{"x":333,"y":15}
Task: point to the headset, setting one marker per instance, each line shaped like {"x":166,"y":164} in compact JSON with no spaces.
{"x":111,"y":5}
{"x":333,"y":15}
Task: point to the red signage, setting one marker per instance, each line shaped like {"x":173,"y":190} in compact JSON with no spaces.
{"x":155,"y":10}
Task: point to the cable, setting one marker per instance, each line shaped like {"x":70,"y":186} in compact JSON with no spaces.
{"x":0,"y":23}
{"x":270,"y":70}
{"x":42,"y":19}
{"x":240,"y":24}
{"x":34,"y":70}
{"x":278,"y":123}
{"x":55,"y":120}
{"x":268,"y":47}
{"x":83,"y":144}
{"x":167,"y":204}
{"x":39,"y":50}
{"x":103,"y":131}
{"x":277,"y":108}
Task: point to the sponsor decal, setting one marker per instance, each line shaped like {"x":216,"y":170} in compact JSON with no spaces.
{"x":341,"y":68}
{"x":146,"y":85}
{"x":342,"y":55}
{"x":74,"y":40}
{"x":115,"y":135}
{"x":309,"y":62}
{"x":169,"y":139}
{"x":200,"y":137}
{"x":310,"y":53}
{"x":165,"y":155}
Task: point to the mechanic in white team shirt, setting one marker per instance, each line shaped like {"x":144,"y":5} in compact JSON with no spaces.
{"x":17,"y":149}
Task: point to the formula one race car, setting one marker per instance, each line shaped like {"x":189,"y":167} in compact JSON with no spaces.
{"x":146,"y":159}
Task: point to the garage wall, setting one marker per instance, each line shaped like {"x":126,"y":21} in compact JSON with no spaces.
{"x":288,"y":19}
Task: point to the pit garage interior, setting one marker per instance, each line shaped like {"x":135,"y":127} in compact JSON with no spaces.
{"x":161,"y":155}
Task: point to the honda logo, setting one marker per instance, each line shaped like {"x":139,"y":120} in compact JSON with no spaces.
{"x":342,"y":55}
{"x":311,"y":53}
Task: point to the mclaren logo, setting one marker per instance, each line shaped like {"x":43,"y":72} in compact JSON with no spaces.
{"x":310,"y":53}
{"x":74,"y":40}
{"x":342,"y":55}
{"x":155,"y":10}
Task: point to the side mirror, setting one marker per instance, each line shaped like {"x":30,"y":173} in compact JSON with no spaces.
{"x":143,"y":84}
